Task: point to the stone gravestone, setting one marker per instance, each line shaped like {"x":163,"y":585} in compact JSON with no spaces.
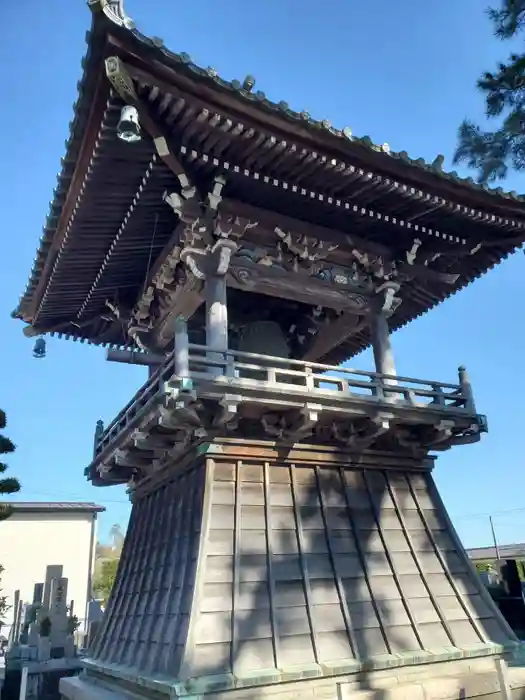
{"x":53,"y":571}
{"x":58,"y":616}
{"x":17,"y":611}
{"x":95,"y":615}
{"x":34,"y":613}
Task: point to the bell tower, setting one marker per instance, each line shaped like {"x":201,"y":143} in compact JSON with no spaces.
{"x":286,"y":536}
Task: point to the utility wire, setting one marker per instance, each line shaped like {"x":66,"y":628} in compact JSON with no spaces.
{"x":492,"y":514}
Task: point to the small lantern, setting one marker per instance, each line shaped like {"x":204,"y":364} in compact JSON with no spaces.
{"x":39,"y":351}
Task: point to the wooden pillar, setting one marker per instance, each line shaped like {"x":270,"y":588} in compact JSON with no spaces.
{"x":216,"y":319}
{"x":383,"y":355}
{"x":466,"y":389}
{"x":181,"y":353}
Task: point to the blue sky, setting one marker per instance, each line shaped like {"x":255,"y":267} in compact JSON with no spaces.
{"x":403,"y":73}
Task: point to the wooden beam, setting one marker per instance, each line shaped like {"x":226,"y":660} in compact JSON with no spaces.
{"x":270,"y":220}
{"x":273,"y":281}
{"x":135,"y":358}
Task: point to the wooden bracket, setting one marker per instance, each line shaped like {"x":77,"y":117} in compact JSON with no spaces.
{"x":306,"y":422}
{"x":227,"y":416}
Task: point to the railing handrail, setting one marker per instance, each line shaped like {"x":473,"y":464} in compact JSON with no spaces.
{"x":317,"y":365}
{"x":153,"y":384}
{"x":142,"y":390}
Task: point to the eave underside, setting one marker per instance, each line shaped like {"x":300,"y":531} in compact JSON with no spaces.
{"x":120,"y":226}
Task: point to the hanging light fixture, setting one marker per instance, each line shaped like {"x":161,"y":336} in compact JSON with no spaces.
{"x":39,"y":350}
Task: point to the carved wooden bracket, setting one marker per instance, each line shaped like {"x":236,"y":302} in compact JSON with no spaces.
{"x":361,"y":434}
{"x":386,"y":295}
{"x":208,"y":262}
{"x":120,"y":79}
{"x":305,"y":248}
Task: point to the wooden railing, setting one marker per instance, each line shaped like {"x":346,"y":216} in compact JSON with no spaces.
{"x":210,"y":372}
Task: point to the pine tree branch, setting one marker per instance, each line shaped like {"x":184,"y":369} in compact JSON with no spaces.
{"x":6,"y":446}
{"x":486,"y":152}
{"x":9,"y":485}
{"x":491,"y":152}
{"x":509,"y":20}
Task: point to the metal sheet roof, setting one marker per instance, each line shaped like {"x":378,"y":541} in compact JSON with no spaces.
{"x":506,"y":551}
{"x":55,"y":506}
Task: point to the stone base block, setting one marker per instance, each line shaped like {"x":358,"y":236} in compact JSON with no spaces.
{"x":468,"y":678}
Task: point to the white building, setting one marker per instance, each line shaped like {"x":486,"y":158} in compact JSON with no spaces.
{"x":41,"y":534}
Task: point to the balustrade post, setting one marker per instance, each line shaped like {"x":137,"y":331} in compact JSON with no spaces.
{"x":466,"y":389}
{"x":99,"y":431}
{"x":383,"y":355}
{"x":216,"y":319}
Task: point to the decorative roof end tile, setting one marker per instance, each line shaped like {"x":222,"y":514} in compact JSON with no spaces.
{"x":248,"y":83}
{"x":114,"y":11}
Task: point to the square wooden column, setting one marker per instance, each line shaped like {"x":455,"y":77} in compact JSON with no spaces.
{"x":381,"y":346}
{"x":216,"y":313}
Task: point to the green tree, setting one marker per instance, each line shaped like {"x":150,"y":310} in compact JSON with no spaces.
{"x":8,"y":485}
{"x":491,"y":152}
{"x":482,"y":566}
{"x":105,"y":579}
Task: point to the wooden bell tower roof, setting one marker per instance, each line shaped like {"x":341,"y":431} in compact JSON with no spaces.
{"x":108,"y":228}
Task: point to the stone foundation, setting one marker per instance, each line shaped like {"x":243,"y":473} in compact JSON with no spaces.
{"x":454,"y":680}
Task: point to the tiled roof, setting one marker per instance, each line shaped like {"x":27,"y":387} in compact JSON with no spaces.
{"x":115,"y":11}
{"x":154,"y":49}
